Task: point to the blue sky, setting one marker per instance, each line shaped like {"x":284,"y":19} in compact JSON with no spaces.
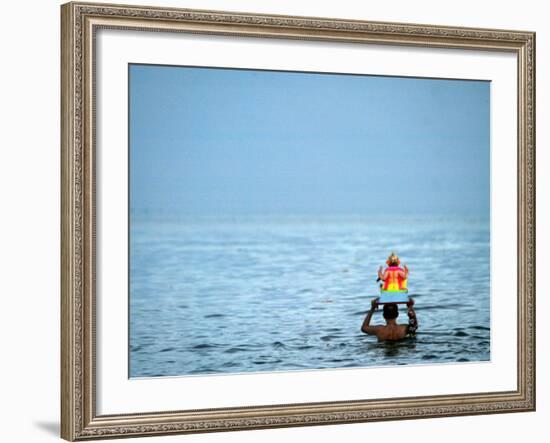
{"x":221,"y":141}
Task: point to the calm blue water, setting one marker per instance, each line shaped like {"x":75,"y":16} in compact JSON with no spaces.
{"x":230,"y":295}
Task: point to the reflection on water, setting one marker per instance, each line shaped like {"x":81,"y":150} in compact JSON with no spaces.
{"x":227,"y":296}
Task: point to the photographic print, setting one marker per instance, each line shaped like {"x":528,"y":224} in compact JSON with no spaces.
{"x":259,"y":213}
{"x":284,"y":221}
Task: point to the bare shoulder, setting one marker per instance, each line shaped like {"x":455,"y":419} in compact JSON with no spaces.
{"x":371,"y":330}
{"x":402,"y":332}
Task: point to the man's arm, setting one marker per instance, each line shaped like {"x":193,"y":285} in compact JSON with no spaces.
{"x":413,"y":322}
{"x":365,"y":327}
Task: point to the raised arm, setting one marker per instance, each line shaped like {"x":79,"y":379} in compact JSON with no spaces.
{"x":366,"y":327}
{"x":405,"y":272}
{"x":413,"y":322}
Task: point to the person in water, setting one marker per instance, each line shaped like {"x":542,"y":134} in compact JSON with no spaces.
{"x":394,"y":278}
{"x":391,"y":330}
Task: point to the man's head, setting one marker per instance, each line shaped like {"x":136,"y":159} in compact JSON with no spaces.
{"x":390,"y":311}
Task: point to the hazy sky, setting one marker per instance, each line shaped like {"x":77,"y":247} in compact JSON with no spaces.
{"x":220,"y":141}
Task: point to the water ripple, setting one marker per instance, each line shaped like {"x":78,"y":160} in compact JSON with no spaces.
{"x":215,"y":296}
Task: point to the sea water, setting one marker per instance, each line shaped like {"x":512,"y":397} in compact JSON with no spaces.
{"x":270,"y":293}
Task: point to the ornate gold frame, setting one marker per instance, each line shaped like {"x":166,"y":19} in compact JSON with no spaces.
{"x":79,"y":22}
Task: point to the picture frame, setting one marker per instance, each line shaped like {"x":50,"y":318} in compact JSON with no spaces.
{"x":80,"y":23}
